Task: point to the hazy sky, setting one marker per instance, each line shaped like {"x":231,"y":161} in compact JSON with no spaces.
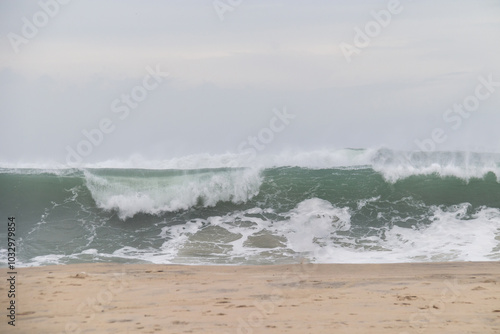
{"x":67,"y":68}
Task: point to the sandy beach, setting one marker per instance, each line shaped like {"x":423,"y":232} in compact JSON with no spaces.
{"x":302,"y":298}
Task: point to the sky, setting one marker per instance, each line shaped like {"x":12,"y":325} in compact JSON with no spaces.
{"x":92,"y":80}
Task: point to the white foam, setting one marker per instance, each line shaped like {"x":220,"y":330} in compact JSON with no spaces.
{"x":317,"y":230}
{"x":154,"y":195}
{"x":300,"y":230}
{"x":395,"y":165}
{"x":452,"y":236}
{"x":312,"y":223}
{"x":43,"y":260}
{"x":38,"y":171}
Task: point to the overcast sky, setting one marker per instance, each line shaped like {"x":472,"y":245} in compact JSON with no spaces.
{"x":231,"y":64}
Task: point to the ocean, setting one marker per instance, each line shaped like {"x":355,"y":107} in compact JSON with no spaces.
{"x":337,"y":206}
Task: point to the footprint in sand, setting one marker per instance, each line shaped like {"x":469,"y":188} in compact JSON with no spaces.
{"x":222,"y":302}
{"x":408,"y":297}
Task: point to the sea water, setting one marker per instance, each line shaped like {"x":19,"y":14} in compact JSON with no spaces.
{"x":343,"y":206}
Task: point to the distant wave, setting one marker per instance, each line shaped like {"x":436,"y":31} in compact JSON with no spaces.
{"x":393,"y":165}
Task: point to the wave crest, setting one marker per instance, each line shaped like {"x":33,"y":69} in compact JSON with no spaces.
{"x":167,"y":191}
{"x":397,"y":165}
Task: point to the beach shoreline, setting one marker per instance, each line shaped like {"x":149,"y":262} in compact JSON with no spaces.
{"x":450,"y":297}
